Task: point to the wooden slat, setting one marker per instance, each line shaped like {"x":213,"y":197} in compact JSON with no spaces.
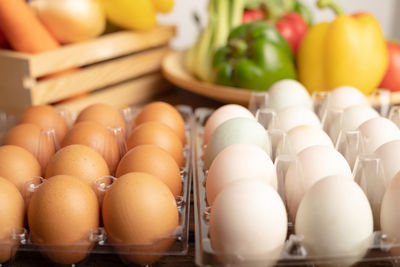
{"x":98,"y":76}
{"x":128,"y":93}
{"x":14,"y":81}
{"x":99,"y":49}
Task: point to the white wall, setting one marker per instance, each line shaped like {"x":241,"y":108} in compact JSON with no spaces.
{"x":187,"y":31}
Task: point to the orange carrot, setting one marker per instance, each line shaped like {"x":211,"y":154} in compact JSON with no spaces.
{"x":22,"y":28}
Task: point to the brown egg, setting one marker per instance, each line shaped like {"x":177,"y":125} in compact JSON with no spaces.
{"x":138,"y":210}
{"x":155,"y":161}
{"x":46,"y":117}
{"x":12,"y":214}
{"x":104,"y":114}
{"x":94,"y":135}
{"x":18,"y":165}
{"x":158,"y":134}
{"x":40,"y":143}
{"x":80,"y":161}
{"x":61,"y":214}
{"x":164,"y":113}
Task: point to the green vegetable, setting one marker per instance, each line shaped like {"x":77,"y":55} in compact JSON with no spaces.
{"x":223,"y":16}
{"x":276,"y":8}
{"x":256,"y":57}
{"x":305,"y":12}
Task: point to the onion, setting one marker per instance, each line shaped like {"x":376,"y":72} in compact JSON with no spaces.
{"x":71,"y":21}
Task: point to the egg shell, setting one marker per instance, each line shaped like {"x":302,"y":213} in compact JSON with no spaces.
{"x":351,"y":118}
{"x":248,"y":224}
{"x":140,"y":214}
{"x":291,"y":117}
{"x":388,"y":155}
{"x":390,"y":216}
{"x":376,"y":132}
{"x":344,"y":97}
{"x":61,"y":214}
{"x":153,"y":160}
{"x":12,"y":215}
{"x":301,"y":137}
{"x":237,"y":162}
{"x":18,"y":166}
{"x":102,"y":113}
{"x":223,"y":114}
{"x":159,"y":134}
{"x":236,"y":131}
{"x":288,"y":93}
{"x":164,"y":113}
{"x":312,"y":164}
{"x":40,"y":143}
{"x":80,"y":161}
{"x":96,"y":136}
{"x":46,"y":117}
{"x":335,"y":220}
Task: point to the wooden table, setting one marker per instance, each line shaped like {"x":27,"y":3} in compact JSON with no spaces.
{"x":175,"y":96}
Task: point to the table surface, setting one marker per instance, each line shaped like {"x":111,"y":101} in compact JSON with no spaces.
{"x":175,"y":96}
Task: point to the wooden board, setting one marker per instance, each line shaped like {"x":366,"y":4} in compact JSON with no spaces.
{"x":98,"y":76}
{"x":128,"y":93}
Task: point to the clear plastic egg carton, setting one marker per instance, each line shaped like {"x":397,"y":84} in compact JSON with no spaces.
{"x":294,"y":253}
{"x":20,"y":241}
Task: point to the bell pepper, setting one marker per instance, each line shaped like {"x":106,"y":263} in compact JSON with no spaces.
{"x":135,"y":14}
{"x":256,"y":57}
{"x":349,"y":51}
{"x":293,"y":28}
{"x":391,"y":81}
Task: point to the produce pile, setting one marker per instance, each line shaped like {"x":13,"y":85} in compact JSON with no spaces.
{"x":44,"y":25}
{"x":122,"y":173}
{"x":251,"y":44}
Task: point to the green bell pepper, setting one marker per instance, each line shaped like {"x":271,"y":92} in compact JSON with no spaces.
{"x":256,"y":57}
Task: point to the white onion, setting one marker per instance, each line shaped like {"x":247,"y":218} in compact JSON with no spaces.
{"x":71,"y":21}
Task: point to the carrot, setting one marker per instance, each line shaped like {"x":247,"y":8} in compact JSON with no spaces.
{"x":22,"y":28}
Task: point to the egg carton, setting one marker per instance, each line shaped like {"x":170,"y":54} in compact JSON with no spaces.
{"x":20,"y":241}
{"x":294,"y":252}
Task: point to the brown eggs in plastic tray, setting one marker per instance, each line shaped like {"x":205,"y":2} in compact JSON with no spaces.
{"x":135,"y":215}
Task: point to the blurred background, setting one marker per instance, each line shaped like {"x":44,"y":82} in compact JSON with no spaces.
{"x":182,"y":16}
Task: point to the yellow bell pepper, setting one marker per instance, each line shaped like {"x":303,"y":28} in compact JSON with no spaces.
{"x":349,"y":51}
{"x":136,"y":14}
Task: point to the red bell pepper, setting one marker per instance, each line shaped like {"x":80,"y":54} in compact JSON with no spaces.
{"x":251,"y":15}
{"x":391,"y":81}
{"x":292,"y":27}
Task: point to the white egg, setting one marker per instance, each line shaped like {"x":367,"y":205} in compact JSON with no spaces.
{"x":335,"y":220}
{"x":287,"y":93}
{"x":223,"y":114}
{"x":248,"y":224}
{"x":376,"y":132}
{"x":344,"y":97}
{"x":301,"y":137}
{"x":375,"y":186}
{"x":312,"y":164}
{"x":236,"y":131}
{"x":350,"y":119}
{"x":236,"y":162}
{"x":390,"y":215}
{"x":291,"y":117}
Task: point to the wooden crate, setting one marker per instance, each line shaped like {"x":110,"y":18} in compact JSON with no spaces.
{"x":120,"y":68}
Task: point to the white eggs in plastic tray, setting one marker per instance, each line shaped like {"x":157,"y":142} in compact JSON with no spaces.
{"x":332,"y":187}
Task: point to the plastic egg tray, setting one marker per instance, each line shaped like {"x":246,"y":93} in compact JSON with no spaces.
{"x":97,"y":238}
{"x":294,"y":253}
